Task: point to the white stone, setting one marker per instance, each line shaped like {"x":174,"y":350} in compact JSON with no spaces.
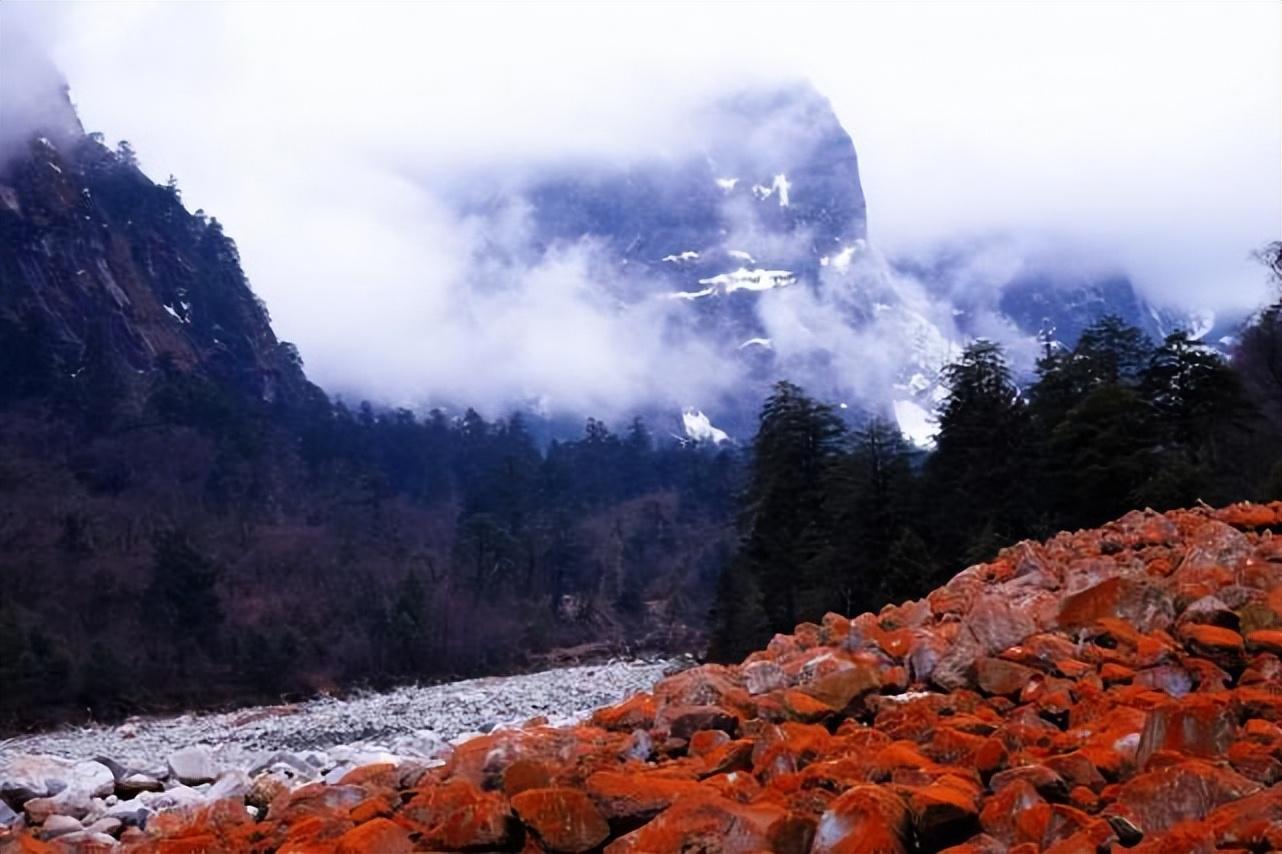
{"x":131,"y":813}
{"x":60,"y":787}
{"x":230,"y":784}
{"x":106,"y":825}
{"x":193,"y":765}
{"x":83,"y":840}
{"x":59,"y":825}
{"x":139,"y":782}
{"x":411,"y":721}
{"x":176,"y":797}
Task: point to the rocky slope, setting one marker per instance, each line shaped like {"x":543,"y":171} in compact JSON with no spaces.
{"x":1115,"y":688}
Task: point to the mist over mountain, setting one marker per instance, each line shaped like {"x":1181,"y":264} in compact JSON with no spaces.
{"x":678,"y":281}
{"x":689,"y":279}
{"x":404,"y":281}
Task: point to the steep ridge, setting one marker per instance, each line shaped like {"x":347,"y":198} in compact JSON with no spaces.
{"x":1112,"y":688}
{"x":104,"y":269}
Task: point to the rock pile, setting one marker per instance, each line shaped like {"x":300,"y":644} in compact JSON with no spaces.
{"x":1109,"y":689}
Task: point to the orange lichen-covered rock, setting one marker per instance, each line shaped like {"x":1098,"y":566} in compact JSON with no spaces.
{"x":1251,"y":515}
{"x":456,"y":815}
{"x":997,"y":676}
{"x":945,"y":811}
{"x":637,"y":796}
{"x":864,"y":820}
{"x":1221,"y":645}
{"x":636,"y":712}
{"x":801,"y":706}
{"x":562,"y":819}
{"x":1158,"y":800}
{"x":1197,"y":725}
{"x":714,"y":823}
{"x":1265,"y":640}
{"x":379,"y":836}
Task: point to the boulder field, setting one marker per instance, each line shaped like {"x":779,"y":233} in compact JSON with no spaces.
{"x":1119,"y":688}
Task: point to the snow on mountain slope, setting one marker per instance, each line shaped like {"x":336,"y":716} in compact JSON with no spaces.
{"x":759,"y":233}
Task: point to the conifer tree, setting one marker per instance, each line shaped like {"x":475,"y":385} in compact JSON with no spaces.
{"x":1195,"y":395}
{"x":1110,"y":351}
{"x":978,"y":476}
{"x":1104,"y":453}
{"x":796,"y":444}
{"x":867,"y":498}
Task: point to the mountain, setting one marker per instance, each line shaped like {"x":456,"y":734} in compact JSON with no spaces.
{"x":745,"y":249}
{"x":1107,"y":689}
{"x":101,"y":265}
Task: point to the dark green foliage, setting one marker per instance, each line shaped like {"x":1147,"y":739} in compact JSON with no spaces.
{"x":868,"y":502}
{"x":792,"y":456}
{"x":1258,"y":355}
{"x":184,"y":588}
{"x":1109,"y":352}
{"x":782,"y":526}
{"x":738,"y":617}
{"x":28,"y":363}
{"x":978,"y":478}
{"x":407,"y":626}
{"x":911,"y":570}
{"x":104,"y":682}
{"x":1102,"y":451}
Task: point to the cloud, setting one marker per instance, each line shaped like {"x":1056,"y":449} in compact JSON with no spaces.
{"x":333,"y":141}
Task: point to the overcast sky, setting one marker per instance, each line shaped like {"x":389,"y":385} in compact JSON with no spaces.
{"x":1145,"y":134}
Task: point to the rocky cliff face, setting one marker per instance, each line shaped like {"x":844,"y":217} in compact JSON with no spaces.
{"x":1108,"y":689}
{"x":98,"y":264}
{"x":751,"y":234}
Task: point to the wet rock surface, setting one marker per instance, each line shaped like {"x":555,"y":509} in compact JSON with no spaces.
{"x":1106,"y":690}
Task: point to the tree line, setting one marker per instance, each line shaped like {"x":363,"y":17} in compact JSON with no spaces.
{"x":185,"y":544}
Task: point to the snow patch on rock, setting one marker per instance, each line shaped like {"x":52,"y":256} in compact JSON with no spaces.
{"x":700,"y":428}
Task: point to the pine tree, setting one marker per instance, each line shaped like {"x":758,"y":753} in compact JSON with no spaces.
{"x":407,"y":625}
{"x":484,"y":554}
{"x":1195,"y":395}
{"x":1110,"y":351}
{"x":1104,"y":453}
{"x":738,"y":619}
{"x":867,"y":500}
{"x":911,"y":571}
{"x":125,"y":151}
{"x":100,"y":385}
{"x":783,"y":522}
{"x":978,"y":476}
{"x":1258,"y":354}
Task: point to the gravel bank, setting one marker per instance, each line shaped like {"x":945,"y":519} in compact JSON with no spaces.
{"x":408,"y":721}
